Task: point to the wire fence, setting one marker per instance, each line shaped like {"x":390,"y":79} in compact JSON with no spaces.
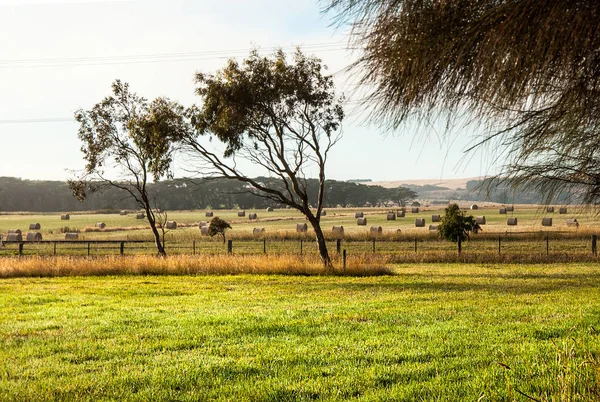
{"x":490,"y":245}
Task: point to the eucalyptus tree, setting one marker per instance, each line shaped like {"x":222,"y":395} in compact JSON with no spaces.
{"x":278,"y":113}
{"x":529,"y":69}
{"x":127,"y":142}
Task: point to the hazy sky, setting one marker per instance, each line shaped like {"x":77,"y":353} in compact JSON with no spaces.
{"x":58,"y":56}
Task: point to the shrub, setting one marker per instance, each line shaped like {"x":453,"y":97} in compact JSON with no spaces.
{"x":456,"y":225}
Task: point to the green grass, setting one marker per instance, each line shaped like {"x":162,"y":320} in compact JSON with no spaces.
{"x":431,"y":333}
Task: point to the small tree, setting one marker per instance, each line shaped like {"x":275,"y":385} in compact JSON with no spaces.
{"x":127,"y":136}
{"x":455,"y":225}
{"x":279,"y":115}
{"x":218,"y":226}
{"x":402,"y":195}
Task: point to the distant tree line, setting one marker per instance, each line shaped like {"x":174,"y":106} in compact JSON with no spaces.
{"x":184,"y":194}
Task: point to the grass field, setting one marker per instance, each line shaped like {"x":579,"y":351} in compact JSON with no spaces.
{"x":281,"y":221}
{"x":429,"y":332}
{"x":398,"y":238}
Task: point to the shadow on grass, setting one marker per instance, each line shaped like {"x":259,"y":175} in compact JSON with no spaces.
{"x":505,"y":283}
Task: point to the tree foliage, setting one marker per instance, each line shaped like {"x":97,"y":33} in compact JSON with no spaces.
{"x":218,"y":226}
{"x":127,"y":136}
{"x":455,"y":224}
{"x":529,"y":69}
{"x":279,"y":114}
{"x":183,"y":194}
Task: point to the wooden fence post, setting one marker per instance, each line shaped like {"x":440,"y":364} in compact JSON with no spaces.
{"x":265,"y":246}
{"x":20,"y":248}
{"x":594,"y":249}
{"x":459,"y":242}
{"x":338,"y":245}
{"x":547,"y":245}
{"x":499,"y":237}
{"x":344,"y":258}
{"x":194,"y":247}
{"x":122,"y":248}
{"x":54,"y":248}
{"x":373,"y":245}
{"x":229,"y":246}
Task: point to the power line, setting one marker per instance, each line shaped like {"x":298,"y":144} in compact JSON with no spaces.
{"x":159,"y":57}
{"x":42,"y":120}
{"x":72,"y":120}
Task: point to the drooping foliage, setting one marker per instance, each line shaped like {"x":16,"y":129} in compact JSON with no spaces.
{"x":528,"y":69}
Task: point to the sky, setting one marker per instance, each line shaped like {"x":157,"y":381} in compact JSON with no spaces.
{"x":59,"y":56}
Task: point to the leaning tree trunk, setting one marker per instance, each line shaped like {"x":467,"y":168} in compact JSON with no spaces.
{"x":160,"y":248}
{"x":316,"y":224}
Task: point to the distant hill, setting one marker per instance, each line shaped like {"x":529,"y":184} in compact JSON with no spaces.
{"x":474,"y":189}
{"x":450,"y":184}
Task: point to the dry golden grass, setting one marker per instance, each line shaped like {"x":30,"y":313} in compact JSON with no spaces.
{"x":359,"y":265}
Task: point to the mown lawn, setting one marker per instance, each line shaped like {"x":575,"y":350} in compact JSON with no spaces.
{"x":431,"y":332}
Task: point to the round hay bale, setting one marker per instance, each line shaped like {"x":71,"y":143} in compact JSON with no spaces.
{"x":323,"y":213}
{"x":71,"y":236}
{"x":546,"y":221}
{"x":361,"y":221}
{"x":550,"y":210}
{"x":502,"y":211}
{"x":359,"y":215}
{"x":209,"y":214}
{"x":338,"y":232}
{"x":376,"y":231}
{"x":480,"y":220}
{"x":258,"y":231}
{"x":510,"y":209}
{"x":252,"y":216}
{"x":420,"y":222}
{"x":34,"y":237}
{"x":572,"y":222}
{"x":270,"y":209}
{"x":474,"y":207}
{"x":562,"y":211}
{"x":301,"y":227}
{"x":140,"y":215}
{"x":241,"y":213}
{"x":35,"y":226}
{"x":433,"y":228}
{"x":204,"y":230}
{"x":203,"y":224}
{"x":14,"y":237}
{"x":400,"y":214}
{"x":101,"y":225}
{"x":391,"y":216}
{"x":511,"y":221}
{"x":414,"y":210}
{"x":435,"y":218}
{"x":171,"y":225}
{"x":65,"y":217}
{"x":17,"y":231}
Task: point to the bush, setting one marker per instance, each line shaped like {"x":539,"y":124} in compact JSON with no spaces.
{"x":218,"y":227}
{"x":455,"y":224}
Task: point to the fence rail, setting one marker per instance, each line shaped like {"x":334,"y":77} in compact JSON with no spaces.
{"x":500,"y":245}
